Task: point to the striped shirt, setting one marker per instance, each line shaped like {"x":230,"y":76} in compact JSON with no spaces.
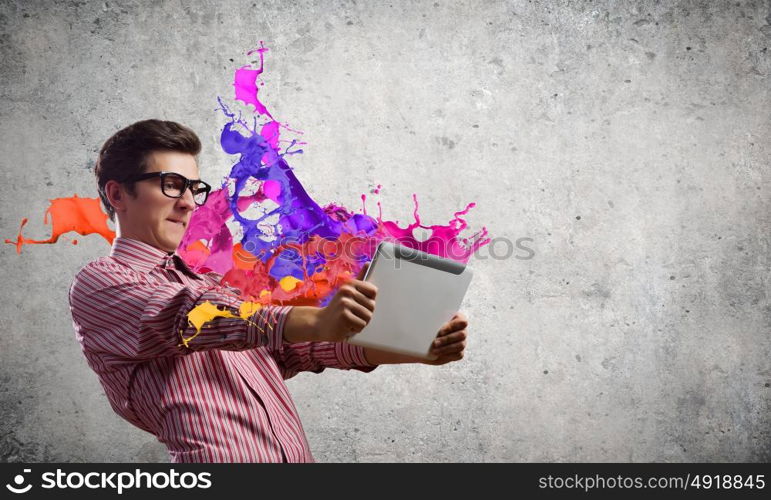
{"x":221,"y":398}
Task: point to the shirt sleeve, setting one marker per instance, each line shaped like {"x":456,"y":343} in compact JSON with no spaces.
{"x":123,"y":316}
{"x":316,"y":356}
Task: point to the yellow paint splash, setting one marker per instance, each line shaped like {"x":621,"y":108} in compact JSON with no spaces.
{"x":289,"y":283}
{"x":247,"y":309}
{"x":206,"y":312}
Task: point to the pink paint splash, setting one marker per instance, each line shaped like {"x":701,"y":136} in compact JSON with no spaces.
{"x":245,"y":83}
{"x":444,"y":241}
{"x":262,"y":231}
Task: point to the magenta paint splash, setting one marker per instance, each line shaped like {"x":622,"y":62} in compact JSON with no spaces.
{"x":245,"y":82}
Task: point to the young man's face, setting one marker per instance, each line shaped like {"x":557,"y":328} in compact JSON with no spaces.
{"x":153,"y":217}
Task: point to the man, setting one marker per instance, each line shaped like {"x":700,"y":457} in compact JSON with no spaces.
{"x":219,"y":396}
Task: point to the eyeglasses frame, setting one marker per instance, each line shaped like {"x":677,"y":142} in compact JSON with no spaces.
{"x":188,"y":184}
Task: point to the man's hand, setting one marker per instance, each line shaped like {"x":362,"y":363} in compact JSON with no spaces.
{"x":450,"y":342}
{"x":449,"y":345}
{"x":348,"y":312}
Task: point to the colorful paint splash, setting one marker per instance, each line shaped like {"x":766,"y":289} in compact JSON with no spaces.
{"x":262,"y":231}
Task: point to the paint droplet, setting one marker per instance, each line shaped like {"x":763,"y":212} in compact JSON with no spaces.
{"x":671,"y":277}
{"x":546,"y":372}
{"x":578,"y":217}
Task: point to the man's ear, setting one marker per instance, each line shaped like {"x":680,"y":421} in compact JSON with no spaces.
{"x":116,"y":194}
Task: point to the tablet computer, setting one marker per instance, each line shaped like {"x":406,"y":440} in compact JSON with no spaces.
{"x":417,"y":294}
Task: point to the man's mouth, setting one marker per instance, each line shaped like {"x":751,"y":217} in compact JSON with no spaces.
{"x":181,"y":223}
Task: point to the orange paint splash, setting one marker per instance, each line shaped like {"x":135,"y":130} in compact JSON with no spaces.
{"x":81,"y":215}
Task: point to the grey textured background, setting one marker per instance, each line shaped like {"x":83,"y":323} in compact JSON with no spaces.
{"x":629,"y":140}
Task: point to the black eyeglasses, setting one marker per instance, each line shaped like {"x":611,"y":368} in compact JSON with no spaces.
{"x":174,"y":185}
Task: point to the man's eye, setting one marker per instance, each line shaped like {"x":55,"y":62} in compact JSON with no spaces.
{"x":170,"y":185}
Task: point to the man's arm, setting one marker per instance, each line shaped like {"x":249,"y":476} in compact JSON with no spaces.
{"x":314,"y":337}
{"x":124,"y":317}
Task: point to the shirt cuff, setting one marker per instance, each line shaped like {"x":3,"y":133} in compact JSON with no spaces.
{"x":353,"y":356}
{"x":266,"y":327}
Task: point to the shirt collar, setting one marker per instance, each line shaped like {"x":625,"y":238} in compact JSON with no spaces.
{"x":143,"y":257}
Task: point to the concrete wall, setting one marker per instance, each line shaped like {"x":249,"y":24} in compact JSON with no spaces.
{"x":629,"y":140}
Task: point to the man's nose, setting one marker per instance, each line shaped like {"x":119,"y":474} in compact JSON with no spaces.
{"x":186,"y":201}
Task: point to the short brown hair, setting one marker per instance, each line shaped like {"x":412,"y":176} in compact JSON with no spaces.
{"x":125,"y":154}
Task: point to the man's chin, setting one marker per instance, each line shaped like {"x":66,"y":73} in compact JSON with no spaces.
{"x":170,"y":240}
{"x":172,"y":248}
{"x":169,"y":245}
